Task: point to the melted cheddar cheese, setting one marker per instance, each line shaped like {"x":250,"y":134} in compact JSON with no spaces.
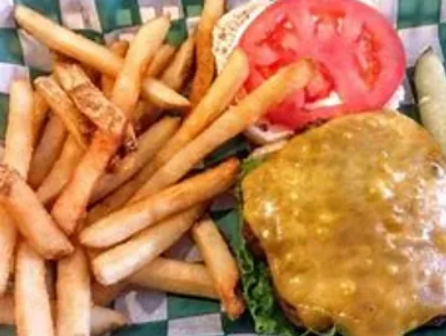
{"x":352,"y":218}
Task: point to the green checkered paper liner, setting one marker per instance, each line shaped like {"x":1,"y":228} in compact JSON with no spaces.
{"x":420,"y":23}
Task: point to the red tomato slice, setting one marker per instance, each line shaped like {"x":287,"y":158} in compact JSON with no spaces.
{"x":359,"y":54}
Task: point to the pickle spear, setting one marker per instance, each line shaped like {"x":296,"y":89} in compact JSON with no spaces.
{"x":430,"y":83}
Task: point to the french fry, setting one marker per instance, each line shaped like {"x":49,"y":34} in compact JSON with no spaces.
{"x":149,"y":144}
{"x":20,"y":136}
{"x":73,"y":201}
{"x":89,"y":99}
{"x":75,"y":45}
{"x":177,"y":277}
{"x":8,"y":237}
{"x":73,"y":295}
{"x":161,"y":96}
{"x":41,"y":109}
{"x":179,"y":70}
{"x":32,"y":220}
{"x":61,"y":172}
{"x":129,"y":82}
{"x":105,"y":295}
{"x":120,"y":197}
{"x":234,"y":121}
{"x":162,"y":58}
{"x":205,"y":61}
{"x":20,"y":131}
{"x":75,"y":122}
{"x":142,"y":50}
{"x":219,"y":96}
{"x":7,"y":308}
{"x":103,"y":320}
{"x":221,"y":265}
{"x":144,"y":111}
{"x":47,"y":151}
{"x":67,"y":42}
{"x":32,"y":303}
{"x":119,"y":48}
{"x":123,"y":260}
{"x":122,"y":224}
{"x":217,"y":99}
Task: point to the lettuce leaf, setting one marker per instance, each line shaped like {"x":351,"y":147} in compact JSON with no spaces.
{"x":259,"y":295}
{"x":256,"y":280}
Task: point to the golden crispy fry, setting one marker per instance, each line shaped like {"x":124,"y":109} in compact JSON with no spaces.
{"x":8,"y":237}
{"x":143,"y":112}
{"x":217,"y":99}
{"x":234,"y":121}
{"x":179,"y":70}
{"x":47,"y":151}
{"x":120,"y":197}
{"x":162,"y":58}
{"x":89,"y":99}
{"x":61,"y":172}
{"x":177,"y":277}
{"x":67,"y":42}
{"x":119,"y":48}
{"x":71,"y":204}
{"x":32,"y":220}
{"x":75,"y":123}
{"x":32,"y":303}
{"x":142,"y":50}
{"x":205,"y":61}
{"x":75,"y":45}
{"x":105,"y":295}
{"x":41,"y":110}
{"x":123,"y":260}
{"x":123,"y":224}
{"x":73,"y":201}
{"x":128,"y":84}
{"x":221,"y":265}
{"x":161,"y":96}
{"x":20,"y":131}
{"x":73,"y":295}
{"x":219,"y":96}
{"x":103,"y":320}
{"x":148,"y":145}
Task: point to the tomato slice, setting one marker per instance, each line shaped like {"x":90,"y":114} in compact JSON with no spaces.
{"x":359,"y":55}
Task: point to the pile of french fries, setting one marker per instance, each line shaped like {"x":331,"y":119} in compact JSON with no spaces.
{"x":95,"y":183}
